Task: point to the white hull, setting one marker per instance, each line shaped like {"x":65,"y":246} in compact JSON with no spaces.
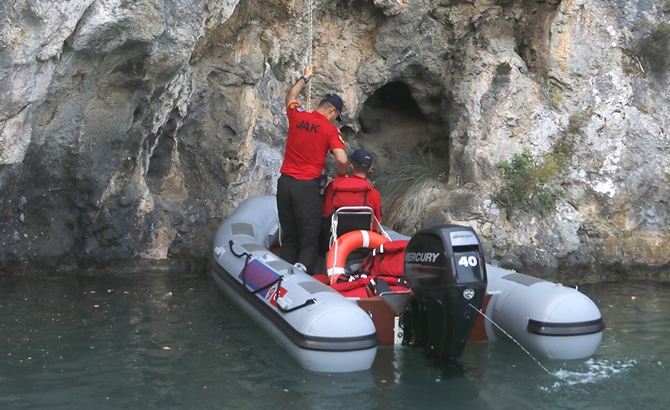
{"x":330,"y":334}
{"x":326,"y":332}
{"x":548,"y":319}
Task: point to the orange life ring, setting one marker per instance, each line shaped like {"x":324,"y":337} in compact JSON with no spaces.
{"x":346,"y":244}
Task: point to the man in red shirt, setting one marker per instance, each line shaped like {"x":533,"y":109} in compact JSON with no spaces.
{"x":310,"y":136}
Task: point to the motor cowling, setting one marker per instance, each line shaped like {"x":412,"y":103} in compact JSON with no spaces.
{"x":446,"y":269}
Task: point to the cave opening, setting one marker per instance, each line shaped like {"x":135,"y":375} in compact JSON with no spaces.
{"x":394,"y":127}
{"x":396,"y":97}
{"x":409,"y":139}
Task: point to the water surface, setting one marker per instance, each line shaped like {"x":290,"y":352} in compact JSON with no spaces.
{"x":167,"y":341}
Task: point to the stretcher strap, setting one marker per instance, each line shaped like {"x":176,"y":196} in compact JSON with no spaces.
{"x":278,"y":282}
{"x":246,"y":262}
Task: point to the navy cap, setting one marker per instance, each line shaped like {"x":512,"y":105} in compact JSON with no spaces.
{"x":361,"y":157}
{"x":336,"y":101}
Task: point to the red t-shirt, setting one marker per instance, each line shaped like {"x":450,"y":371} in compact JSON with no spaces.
{"x":310,"y":137}
{"x":351,"y":190}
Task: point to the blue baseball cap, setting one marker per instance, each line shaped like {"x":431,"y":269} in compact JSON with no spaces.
{"x":337,"y":102}
{"x":362,"y":157}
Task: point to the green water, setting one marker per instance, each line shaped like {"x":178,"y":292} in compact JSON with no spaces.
{"x":158,"y":341}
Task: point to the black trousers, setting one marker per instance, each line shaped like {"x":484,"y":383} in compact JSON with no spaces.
{"x":299,"y":204}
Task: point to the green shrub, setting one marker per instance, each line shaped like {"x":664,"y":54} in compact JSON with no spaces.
{"x":532,"y":182}
{"x":654,"y":48}
{"x":528,"y":181}
{"x":556,"y":98}
{"x":576,"y":121}
{"x":564,"y":146}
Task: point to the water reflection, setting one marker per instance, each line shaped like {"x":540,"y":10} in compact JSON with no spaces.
{"x":159,"y":341}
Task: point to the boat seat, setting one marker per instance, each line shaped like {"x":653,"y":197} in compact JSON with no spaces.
{"x":346,"y":219}
{"x":352,"y":218}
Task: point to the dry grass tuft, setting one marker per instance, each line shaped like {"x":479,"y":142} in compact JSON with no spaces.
{"x":407,"y":190}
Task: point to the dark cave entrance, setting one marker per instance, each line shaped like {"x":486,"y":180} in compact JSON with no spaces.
{"x":395,"y":129}
{"x":394,"y":97}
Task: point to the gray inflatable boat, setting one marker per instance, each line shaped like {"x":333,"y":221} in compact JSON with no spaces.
{"x":548,"y":319}
{"x":327,"y":332}
{"x":322,"y":330}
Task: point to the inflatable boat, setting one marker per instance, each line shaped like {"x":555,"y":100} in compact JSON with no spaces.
{"x":447,"y":290}
{"x":548,"y":319}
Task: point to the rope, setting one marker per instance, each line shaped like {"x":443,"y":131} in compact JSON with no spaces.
{"x":381,"y":228}
{"x":246,"y":262}
{"x":511,"y":338}
{"x":309,"y":54}
{"x":277,"y":281}
{"x":291,"y":309}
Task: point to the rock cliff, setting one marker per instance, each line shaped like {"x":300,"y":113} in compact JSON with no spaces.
{"x":130,"y":129}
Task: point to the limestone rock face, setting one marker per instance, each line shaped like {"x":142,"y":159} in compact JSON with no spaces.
{"x":93,"y":95}
{"x":130,"y":129}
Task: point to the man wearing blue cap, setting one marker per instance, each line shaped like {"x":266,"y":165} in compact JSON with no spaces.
{"x":353,"y":190}
{"x":310,"y":136}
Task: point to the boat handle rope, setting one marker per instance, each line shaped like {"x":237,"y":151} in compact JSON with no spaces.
{"x":288,"y":310}
{"x":246,"y":262}
{"x":244,"y":270}
{"x":278,"y":281}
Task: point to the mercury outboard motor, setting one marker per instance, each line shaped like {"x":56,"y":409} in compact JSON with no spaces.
{"x":446,"y":269}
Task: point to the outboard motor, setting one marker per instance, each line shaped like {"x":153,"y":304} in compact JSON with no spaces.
{"x":445,"y":267}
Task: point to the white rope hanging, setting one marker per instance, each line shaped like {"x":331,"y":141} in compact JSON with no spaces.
{"x":309,"y":55}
